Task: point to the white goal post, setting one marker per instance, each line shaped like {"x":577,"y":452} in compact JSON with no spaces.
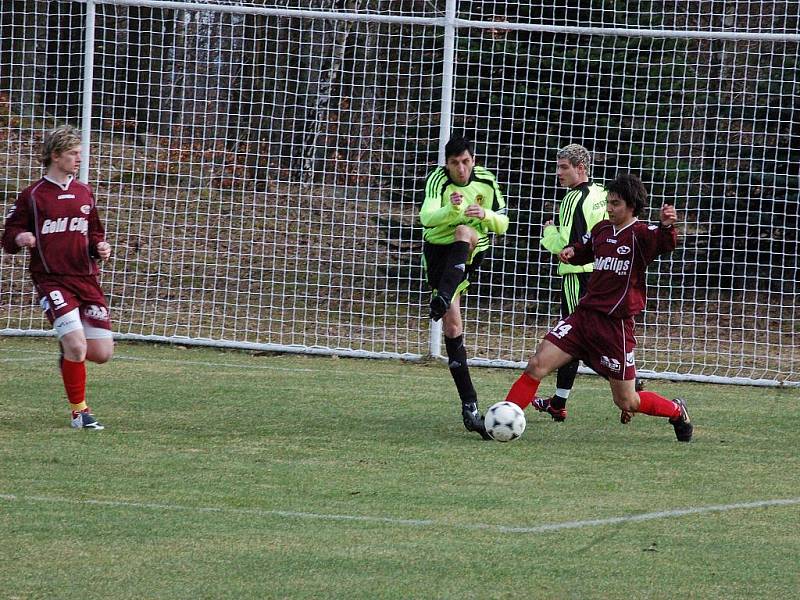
{"x":259,"y":166}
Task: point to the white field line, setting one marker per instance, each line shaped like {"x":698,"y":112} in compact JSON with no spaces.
{"x":246,"y":367}
{"x":396,"y":521}
{"x":21,"y":360}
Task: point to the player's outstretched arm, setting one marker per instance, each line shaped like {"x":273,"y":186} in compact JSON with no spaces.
{"x":669,"y":215}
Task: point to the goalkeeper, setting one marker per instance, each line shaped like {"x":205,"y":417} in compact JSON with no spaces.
{"x":463,"y":206}
{"x":583,"y":207}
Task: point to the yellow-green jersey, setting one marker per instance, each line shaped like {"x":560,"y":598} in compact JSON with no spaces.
{"x":583,"y":207}
{"x":439,"y":217}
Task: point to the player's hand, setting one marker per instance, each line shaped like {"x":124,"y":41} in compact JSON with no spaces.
{"x":566,"y":254}
{"x":103,"y":250}
{"x":25,"y":240}
{"x":475,"y":210}
{"x":456,"y":199}
{"x":668,"y":215}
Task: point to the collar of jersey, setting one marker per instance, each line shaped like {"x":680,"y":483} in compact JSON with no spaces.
{"x":65,"y":186}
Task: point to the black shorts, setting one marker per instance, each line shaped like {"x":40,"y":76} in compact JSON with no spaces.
{"x":434,"y":260}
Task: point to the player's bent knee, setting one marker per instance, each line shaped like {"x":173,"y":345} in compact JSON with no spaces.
{"x":100,"y":345}
{"x":630,"y":404}
{"x":536,"y":369}
{"x":465,"y":233}
{"x":99,"y":356}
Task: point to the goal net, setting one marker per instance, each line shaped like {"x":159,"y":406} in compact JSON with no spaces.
{"x":260,"y":165}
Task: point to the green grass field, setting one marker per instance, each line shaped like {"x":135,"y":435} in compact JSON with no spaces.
{"x":229,"y":475}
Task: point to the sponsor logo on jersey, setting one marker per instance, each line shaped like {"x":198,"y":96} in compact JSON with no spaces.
{"x":79,"y":224}
{"x":623,"y":250}
{"x":652,"y":227}
{"x":611,"y":263}
{"x":66,"y":196}
{"x":611,"y":240}
{"x":96,"y":312}
{"x":86,"y":209}
{"x":612,"y":364}
{"x":479,"y":199}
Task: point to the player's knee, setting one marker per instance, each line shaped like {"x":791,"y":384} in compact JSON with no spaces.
{"x":536,"y":368}
{"x":452,"y":330}
{"x":100,"y":350}
{"x":465,"y":233}
{"x":101,"y":357}
{"x":629,"y":402}
{"x":75,"y":352}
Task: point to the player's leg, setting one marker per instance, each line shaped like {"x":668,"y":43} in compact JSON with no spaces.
{"x":573,"y":286}
{"x":651,"y":403}
{"x":73,"y":369}
{"x":457,"y":363}
{"x":454,"y":271}
{"x":548,"y":358}
{"x":434,"y":261}
{"x":60,"y":300}
{"x":96,"y":322}
{"x":100,"y":349}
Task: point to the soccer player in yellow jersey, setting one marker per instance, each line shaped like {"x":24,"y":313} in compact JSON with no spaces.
{"x":463,"y":207}
{"x":583,"y":207}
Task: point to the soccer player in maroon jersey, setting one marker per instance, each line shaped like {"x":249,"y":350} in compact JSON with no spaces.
{"x":600,"y":331}
{"x":56,"y":219}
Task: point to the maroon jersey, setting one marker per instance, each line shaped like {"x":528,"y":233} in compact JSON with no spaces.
{"x":65,"y":223}
{"x":617,"y":286}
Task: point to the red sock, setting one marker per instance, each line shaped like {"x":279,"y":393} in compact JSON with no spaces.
{"x":74,"y":376}
{"x":523,"y":391}
{"x":656,"y":405}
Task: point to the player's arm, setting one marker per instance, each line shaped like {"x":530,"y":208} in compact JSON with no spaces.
{"x":667,"y":235}
{"x":433,"y":212}
{"x":98,"y":247}
{"x":496,"y":218}
{"x":496,"y":222}
{"x":555,"y":238}
{"x":493,"y":217}
{"x":17,"y":232}
{"x":579,"y":253}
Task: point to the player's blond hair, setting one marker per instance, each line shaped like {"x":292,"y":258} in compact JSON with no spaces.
{"x":576,"y":155}
{"x":59,"y":140}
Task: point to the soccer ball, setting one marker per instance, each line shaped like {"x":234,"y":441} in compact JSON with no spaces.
{"x":505,"y":421}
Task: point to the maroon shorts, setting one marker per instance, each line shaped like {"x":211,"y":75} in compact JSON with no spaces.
{"x":63,"y":294}
{"x":602,"y":342}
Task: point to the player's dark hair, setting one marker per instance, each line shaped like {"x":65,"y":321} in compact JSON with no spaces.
{"x":457,"y":145}
{"x":631,"y":189}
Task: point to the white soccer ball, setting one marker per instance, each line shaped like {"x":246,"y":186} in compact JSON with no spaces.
{"x":505,"y":421}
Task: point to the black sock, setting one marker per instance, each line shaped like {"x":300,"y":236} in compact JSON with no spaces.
{"x":457,"y":362}
{"x":565,"y":378}
{"x":454,"y":271}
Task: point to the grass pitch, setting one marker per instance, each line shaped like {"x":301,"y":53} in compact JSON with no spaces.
{"x":229,"y":475}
